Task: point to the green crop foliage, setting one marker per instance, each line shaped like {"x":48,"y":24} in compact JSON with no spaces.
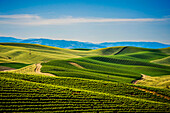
{"x":13,"y":65}
{"x":107,"y":68}
{"x":84,"y":80}
{"x":23,"y":93}
{"x":163,"y":61}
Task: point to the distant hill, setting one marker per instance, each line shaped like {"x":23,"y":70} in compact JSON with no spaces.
{"x":77,"y":44}
{"x":153,"y":45}
{"x":62,"y":43}
{"x":9,"y":39}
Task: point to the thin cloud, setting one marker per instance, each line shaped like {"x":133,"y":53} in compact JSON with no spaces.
{"x":34,"y":20}
{"x":20,"y":16}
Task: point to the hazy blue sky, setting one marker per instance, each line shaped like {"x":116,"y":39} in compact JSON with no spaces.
{"x":87,"y":20}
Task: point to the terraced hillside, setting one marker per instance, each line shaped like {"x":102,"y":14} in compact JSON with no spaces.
{"x":83,"y":80}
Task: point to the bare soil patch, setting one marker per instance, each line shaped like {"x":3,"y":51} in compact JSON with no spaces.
{"x":77,"y":65}
{"x":3,"y":68}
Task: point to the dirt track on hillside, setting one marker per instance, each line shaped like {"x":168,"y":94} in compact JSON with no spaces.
{"x":146,"y":90}
{"x":38,"y":70}
{"x":143,"y":77}
{"x":153,"y":92}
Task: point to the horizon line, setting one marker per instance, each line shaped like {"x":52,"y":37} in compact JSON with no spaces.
{"x":85,"y":41}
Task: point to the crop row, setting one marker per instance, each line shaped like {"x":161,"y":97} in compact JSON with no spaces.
{"x":90,"y":101}
{"x":115,"y":88}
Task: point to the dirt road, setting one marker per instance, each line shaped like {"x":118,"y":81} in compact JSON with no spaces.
{"x":143,"y":77}
{"x":146,"y":90}
{"x":153,"y":92}
{"x":38,"y":70}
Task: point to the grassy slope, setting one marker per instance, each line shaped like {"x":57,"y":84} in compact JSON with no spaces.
{"x":13,"y":65}
{"x":163,"y":61}
{"x":30,"y":69}
{"x":160,"y":82}
{"x":20,"y":92}
{"x":32,"y":53}
{"x":166,"y":50}
{"x":101,"y":64}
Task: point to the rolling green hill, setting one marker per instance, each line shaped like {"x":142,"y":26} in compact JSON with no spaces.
{"x":34,"y":53}
{"x":123,"y":67}
{"x":83,"y":80}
